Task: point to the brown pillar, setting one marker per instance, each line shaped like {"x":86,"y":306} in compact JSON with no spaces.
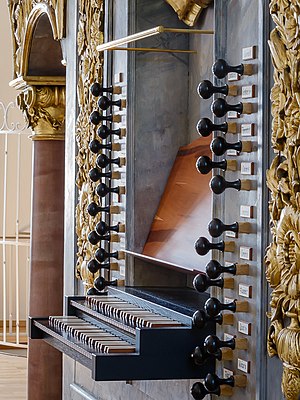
{"x":44,"y":107}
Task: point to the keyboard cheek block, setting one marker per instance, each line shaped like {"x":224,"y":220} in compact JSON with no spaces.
{"x":119,"y":338}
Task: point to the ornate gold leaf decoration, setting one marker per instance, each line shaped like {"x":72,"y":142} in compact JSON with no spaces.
{"x":189,"y":10}
{"x":283,"y":179}
{"x":90,"y":35}
{"x":23,"y":15}
{"x":42,"y":101}
{"x":44,"y":111}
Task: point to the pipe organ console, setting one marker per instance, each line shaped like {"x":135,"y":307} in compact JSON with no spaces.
{"x":178,"y":208}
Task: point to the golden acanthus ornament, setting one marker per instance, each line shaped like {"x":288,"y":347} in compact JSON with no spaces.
{"x":90,"y":35}
{"x":283,"y":179}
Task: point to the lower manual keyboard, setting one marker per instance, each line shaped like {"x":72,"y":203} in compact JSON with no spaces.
{"x":89,"y":334}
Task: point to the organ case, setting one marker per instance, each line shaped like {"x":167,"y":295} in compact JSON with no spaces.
{"x":156,"y":127}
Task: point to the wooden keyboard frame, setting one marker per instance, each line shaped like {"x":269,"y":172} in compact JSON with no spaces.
{"x":161,"y":353}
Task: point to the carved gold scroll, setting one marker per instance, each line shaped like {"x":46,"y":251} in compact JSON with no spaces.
{"x":189,"y":10}
{"x":283,"y":179}
{"x":90,"y":35}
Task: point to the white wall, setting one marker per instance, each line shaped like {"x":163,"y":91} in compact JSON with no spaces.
{"x":14,"y":160}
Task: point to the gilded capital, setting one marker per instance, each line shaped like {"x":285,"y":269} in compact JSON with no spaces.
{"x":44,"y":110}
{"x":189,"y":10}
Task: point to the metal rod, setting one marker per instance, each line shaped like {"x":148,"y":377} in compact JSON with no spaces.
{"x":152,"y":50}
{"x":131,"y":38}
{"x":4,"y":234}
{"x":10,"y":293}
{"x":190,"y":31}
{"x":17,"y":240}
{"x":150,"y":32}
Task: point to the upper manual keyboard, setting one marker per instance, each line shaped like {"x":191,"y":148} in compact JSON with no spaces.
{"x":129,"y":314}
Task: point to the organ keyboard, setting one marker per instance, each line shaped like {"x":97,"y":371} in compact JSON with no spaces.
{"x":117,"y":335}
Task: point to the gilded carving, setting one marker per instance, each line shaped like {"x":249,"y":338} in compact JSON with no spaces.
{"x":42,"y":99}
{"x":90,"y":35}
{"x":283,"y":179}
{"x":23,"y":15}
{"x":189,"y":10}
{"x":44,"y":111}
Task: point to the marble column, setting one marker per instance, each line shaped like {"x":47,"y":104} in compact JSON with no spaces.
{"x":44,"y":107}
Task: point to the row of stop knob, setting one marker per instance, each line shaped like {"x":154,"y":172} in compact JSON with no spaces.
{"x":219,"y":145}
{"x":103,"y":231}
{"x":206,"y":89}
{"x":213,"y":347}
{"x":217,"y":386}
{"x":103,"y":161}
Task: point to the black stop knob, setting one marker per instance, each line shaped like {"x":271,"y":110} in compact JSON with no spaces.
{"x":96,"y":118}
{"x":96,"y":89}
{"x":221,"y":69}
{"x":102,"y":190}
{"x":214,"y":269}
{"x":201,"y":283}
{"x":219,"y":146}
{"x":206,"y":89}
{"x":198,"y":391}
{"x":200,"y":356}
{"x":200,"y":319}
{"x":94,"y":238}
{"x":216,"y":227}
{"x":95,"y":175}
{"x":205,"y":127}
{"x":103,"y":161}
{"x":94,"y":266}
{"x":102,"y":228}
{"x":100,"y":283}
{"x":104,"y":131}
{"x":213,"y":306}
{"x":93,"y":209}
{"x":104,"y":103}
{"x":218,"y":184}
{"x":101,"y":255}
{"x":212,"y":344}
{"x":93,"y":292}
{"x":213,"y":382}
{"x":220,"y":107}
{"x":204,"y":165}
{"x":203,"y":246}
{"x":95,"y":146}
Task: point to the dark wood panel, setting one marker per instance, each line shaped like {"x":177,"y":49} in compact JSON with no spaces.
{"x":184,"y":210}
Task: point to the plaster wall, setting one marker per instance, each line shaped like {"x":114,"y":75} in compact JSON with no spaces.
{"x":15,"y":159}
